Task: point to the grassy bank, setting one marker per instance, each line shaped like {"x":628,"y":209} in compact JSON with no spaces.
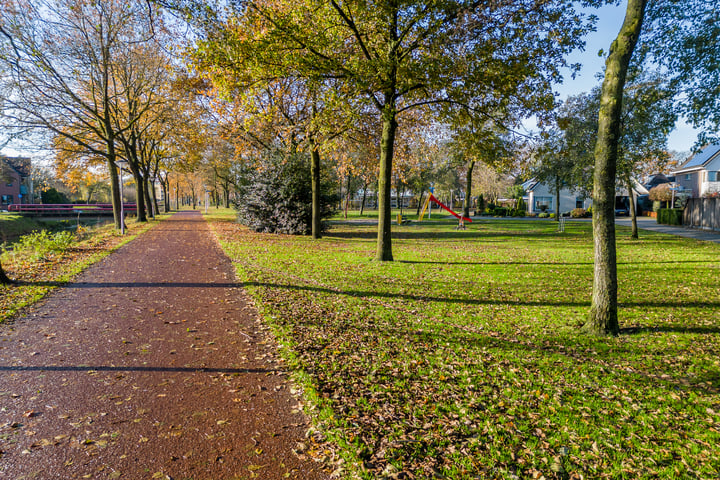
{"x":462,"y":359}
{"x":36,"y":277}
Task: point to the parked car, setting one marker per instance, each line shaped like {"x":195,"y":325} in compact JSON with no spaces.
{"x":622,"y":212}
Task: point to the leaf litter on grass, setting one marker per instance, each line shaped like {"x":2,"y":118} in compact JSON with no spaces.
{"x":463,"y":360}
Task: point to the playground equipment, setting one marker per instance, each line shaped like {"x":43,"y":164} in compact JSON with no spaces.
{"x":431,"y":198}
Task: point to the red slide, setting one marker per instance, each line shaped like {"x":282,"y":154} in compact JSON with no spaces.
{"x":444,"y":207}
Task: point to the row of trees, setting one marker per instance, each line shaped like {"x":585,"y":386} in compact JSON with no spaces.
{"x":381,"y":90}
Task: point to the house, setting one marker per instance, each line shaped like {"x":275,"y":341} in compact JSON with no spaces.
{"x":15,"y":182}
{"x":700,"y":174}
{"x":541,"y":198}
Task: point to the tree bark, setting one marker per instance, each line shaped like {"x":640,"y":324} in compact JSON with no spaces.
{"x":114,"y":187}
{"x":468,"y":189}
{"x":557,"y":199}
{"x":633,"y":211}
{"x":603,"y":317}
{"x":387,"y":145}
{"x":362,"y":203}
{"x":156,"y":207}
{"x":315,"y":180}
{"x":4,"y":279}
{"x":420,"y":203}
{"x":140,"y":194}
{"x":148,"y":200}
{"x":347,"y":195}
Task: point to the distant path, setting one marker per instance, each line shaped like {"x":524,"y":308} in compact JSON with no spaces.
{"x":150,"y":365}
{"x":647,"y":223}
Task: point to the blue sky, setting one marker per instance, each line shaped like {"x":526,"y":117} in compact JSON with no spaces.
{"x":610,"y":19}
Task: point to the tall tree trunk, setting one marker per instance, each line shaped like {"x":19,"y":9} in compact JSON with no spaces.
{"x":633,"y":211}
{"x":398,"y":195}
{"x":148,"y":200}
{"x":603,"y":318}
{"x":315,"y":181}
{"x":387,"y":146}
{"x":557,"y":199}
{"x":4,"y":279}
{"x":114,"y":187}
{"x":362,"y":203}
{"x":226,"y":193}
{"x":347,"y":195}
{"x":468,"y":189}
{"x":140,"y":194}
{"x":156,"y":207}
{"x":420,"y":203}
{"x":166,"y":200}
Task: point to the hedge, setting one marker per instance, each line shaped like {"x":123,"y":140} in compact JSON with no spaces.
{"x":670,"y":216}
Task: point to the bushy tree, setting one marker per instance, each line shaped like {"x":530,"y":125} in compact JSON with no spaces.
{"x":278,"y":199}
{"x":51,"y":196}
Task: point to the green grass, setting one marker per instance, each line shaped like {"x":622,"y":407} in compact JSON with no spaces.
{"x":462,"y":359}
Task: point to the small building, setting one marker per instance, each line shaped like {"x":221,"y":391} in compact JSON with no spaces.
{"x":15,"y":181}
{"x":700,"y":174}
{"x":541,"y":198}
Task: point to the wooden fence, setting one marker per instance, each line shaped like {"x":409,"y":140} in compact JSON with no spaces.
{"x":702,"y":213}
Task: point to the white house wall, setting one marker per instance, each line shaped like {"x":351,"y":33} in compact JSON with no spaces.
{"x":568,"y":199}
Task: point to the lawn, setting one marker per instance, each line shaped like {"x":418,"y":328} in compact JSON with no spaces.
{"x":462,"y":359}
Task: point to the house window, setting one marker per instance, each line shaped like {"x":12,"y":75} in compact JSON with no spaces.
{"x":579,"y":202}
{"x":9,"y":184}
{"x":687,"y":176}
{"x":712,"y":176}
{"x":7,"y":199}
{"x":543,"y":204}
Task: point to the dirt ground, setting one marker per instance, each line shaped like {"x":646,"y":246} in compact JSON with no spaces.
{"x":152,"y":364}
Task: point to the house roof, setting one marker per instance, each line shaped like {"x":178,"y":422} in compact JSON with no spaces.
{"x":530,"y":185}
{"x":656,"y":180}
{"x":700,"y":159}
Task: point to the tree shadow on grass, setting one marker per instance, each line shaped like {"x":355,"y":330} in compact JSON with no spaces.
{"x":107,"y":368}
{"x":669,"y":329}
{"x":608,"y":362}
{"x":375,"y":294}
{"x":82,"y":285}
{"x":447,"y":235}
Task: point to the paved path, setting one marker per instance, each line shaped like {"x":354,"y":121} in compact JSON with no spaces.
{"x":647,"y":223}
{"x":151,"y":365}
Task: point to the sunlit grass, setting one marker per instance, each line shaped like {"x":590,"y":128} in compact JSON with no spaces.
{"x":463,"y":357}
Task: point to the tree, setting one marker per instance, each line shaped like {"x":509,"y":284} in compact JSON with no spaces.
{"x":62,"y":56}
{"x":5,"y":176}
{"x":683,"y":39}
{"x":603,"y":319}
{"x":400,"y":56}
{"x":556,"y":167}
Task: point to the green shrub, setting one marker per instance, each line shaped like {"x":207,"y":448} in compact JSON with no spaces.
{"x":670,"y":216}
{"x":552,"y":215}
{"x":39,"y":245}
{"x":279,"y":199}
{"x":500,"y":212}
{"x":544,"y":215}
{"x":578,"y":213}
{"x":481,"y":203}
